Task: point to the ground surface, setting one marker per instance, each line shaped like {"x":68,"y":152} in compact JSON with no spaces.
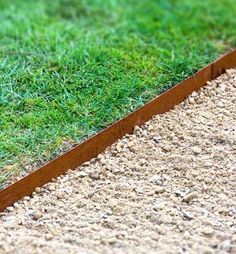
{"x":167,"y":188}
{"x":69,"y":68}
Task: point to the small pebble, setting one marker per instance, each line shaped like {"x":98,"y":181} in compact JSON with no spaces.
{"x":156,"y":179}
{"x":37,"y":215}
{"x":94,"y":175}
{"x":187,"y":215}
{"x":81,"y":174}
{"x":48,"y":237}
{"x":51,"y":188}
{"x":191,"y":100}
{"x":10,"y":208}
{"x":37,"y":189}
{"x":207,"y":231}
{"x":189,"y":197}
{"x":196,"y":150}
{"x":160,"y":190}
{"x":226,"y":245}
{"x":142,"y":161}
{"x":207,"y":250}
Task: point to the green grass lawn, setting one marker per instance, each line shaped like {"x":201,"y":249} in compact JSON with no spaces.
{"x":68,"y":68}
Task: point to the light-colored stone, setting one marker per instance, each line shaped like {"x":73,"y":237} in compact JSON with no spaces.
{"x":160,"y":190}
{"x":94,"y":175}
{"x":191,"y":100}
{"x":189,"y":197}
{"x":226,"y":245}
{"x":37,"y":215}
{"x":38,"y":190}
{"x":156,"y":179}
{"x":10,"y":209}
{"x":207,"y":250}
{"x":187,"y":215}
{"x":196,"y":150}
{"x":208,"y":231}
{"x":51,"y":188}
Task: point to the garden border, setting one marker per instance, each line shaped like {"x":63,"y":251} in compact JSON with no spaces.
{"x":98,"y":143}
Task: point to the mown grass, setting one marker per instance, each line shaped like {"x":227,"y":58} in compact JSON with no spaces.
{"x":69,"y":68}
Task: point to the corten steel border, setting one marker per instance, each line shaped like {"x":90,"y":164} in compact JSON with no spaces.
{"x":98,"y":143}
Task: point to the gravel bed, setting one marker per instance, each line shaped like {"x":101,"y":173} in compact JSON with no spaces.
{"x":170,"y":187}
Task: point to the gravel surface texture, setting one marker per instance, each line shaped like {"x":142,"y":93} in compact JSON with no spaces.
{"x":170,"y":187}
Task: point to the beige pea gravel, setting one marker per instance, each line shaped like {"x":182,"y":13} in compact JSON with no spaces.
{"x":170,"y":187}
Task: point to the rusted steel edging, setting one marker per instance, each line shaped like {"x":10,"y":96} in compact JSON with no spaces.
{"x":98,"y":143}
